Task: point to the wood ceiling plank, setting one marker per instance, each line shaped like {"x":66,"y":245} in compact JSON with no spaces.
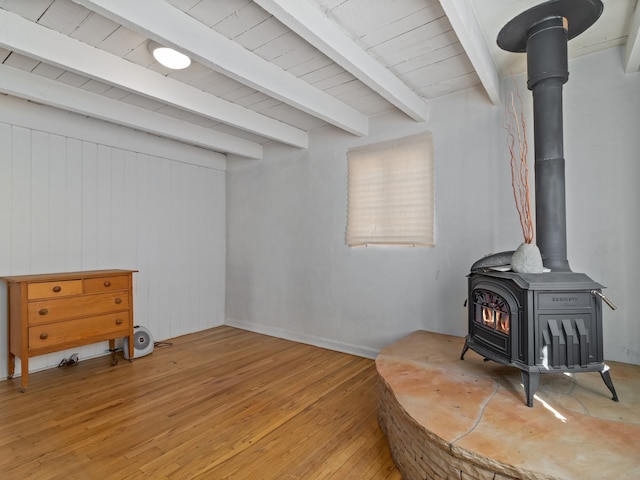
{"x":450,"y":85}
{"x":123,"y":41}
{"x":31,"y":10}
{"x":174,"y":28}
{"x":293,"y":58}
{"x":265,"y":104}
{"x":184,"y":5}
{"x":96,"y":87}
{"x":343,"y":78}
{"x":212,"y":12}
{"x":22,"y":84}
{"x":242,"y":21}
{"x":21,"y":61}
{"x":313,"y":26}
{"x":452,"y":67}
{"x":429,"y":58}
{"x":363,"y":16}
{"x":261,"y":34}
{"x":322,"y":73}
{"x":48,"y":71}
{"x":64,"y":16}
{"x":278,"y":46}
{"x":94,"y":30}
{"x":310,"y":65}
{"x":408,"y":45}
{"x":286,"y":113}
{"x":371,"y":103}
{"x":72,"y":79}
{"x":191,"y":74}
{"x":44,"y":44}
{"x":222,"y":85}
{"x":373,"y":37}
{"x":116,"y":93}
{"x":252,"y":99}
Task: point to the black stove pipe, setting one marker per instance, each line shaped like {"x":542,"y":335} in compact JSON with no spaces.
{"x":548,"y":71}
{"x":543,"y":32}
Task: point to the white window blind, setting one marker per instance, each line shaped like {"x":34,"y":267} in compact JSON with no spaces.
{"x":390,"y":193}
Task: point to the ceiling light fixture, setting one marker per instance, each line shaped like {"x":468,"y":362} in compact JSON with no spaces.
{"x":168,"y":57}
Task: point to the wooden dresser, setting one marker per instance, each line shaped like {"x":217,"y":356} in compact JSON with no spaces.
{"x":55,"y":311}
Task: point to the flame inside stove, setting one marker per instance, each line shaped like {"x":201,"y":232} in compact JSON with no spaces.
{"x":487,"y":317}
{"x":495,"y":319}
{"x":502,"y":322}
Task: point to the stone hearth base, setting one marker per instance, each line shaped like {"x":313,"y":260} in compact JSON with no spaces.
{"x":451,"y":419}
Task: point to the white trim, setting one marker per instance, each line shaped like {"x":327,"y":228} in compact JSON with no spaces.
{"x":358,"y":350}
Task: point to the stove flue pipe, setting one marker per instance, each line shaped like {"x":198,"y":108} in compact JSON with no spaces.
{"x":547,"y":71}
{"x":543,"y":32}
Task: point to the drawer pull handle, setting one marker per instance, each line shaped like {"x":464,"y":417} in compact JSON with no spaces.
{"x":57,"y":288}
{"x":118,"y":301}
{"x":119,"y":321}
{"x":43,"y":311}
{"x":44,"y":336}
{"x":107,"y":283}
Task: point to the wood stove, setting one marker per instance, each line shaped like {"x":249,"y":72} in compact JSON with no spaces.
{"x":544,"y":322}
{"x":539,"y":323}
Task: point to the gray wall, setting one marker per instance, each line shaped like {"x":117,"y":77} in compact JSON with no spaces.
{"x":289,"y":272}
{"x":602,"y":138}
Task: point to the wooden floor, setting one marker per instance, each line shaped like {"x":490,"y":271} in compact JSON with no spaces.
{"x":223,"y":403}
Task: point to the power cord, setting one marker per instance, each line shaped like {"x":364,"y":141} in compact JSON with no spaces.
{"x":73,"y":359}
{"x":67,"y":362}
{"x":114,"y":359}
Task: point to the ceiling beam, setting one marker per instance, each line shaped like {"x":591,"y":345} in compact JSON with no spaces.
{"x":308,"y":21}
{"x":46,"y":45}
{"x":632,"y":50}
{"x":25,"y":85}
{"x":465,"y":23}
{"x":170,"y":26}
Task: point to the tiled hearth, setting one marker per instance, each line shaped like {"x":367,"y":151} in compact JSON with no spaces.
{"x":451,"y":419}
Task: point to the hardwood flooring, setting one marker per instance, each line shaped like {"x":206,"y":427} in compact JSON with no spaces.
{"x":223,"y":403}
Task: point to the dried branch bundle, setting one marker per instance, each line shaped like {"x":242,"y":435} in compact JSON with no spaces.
{"x":516,"y":125}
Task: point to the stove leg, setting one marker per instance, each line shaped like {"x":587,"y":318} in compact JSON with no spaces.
{"x":465,"y":348}
{"x":530,"y":380}
{"x":608,"y":382}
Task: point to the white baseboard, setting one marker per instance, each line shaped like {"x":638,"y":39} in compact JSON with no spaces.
{"x":330,"y":344}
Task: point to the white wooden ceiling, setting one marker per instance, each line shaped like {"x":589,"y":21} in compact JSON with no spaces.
{"x":268,"y":70}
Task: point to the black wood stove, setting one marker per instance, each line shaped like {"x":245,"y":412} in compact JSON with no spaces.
{"x":539,"y":323}
{"x":543,"y":322}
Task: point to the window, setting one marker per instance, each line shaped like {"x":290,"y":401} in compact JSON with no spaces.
{"x":390,"y":193}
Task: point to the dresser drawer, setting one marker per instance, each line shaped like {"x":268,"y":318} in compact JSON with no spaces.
{"x":106,"y":284}
{"x":47,"y":311}
{"x":79,"y":331}
{"x":54,"y":289}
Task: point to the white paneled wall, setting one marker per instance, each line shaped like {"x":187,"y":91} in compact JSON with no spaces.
{"x":80,"y":194}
